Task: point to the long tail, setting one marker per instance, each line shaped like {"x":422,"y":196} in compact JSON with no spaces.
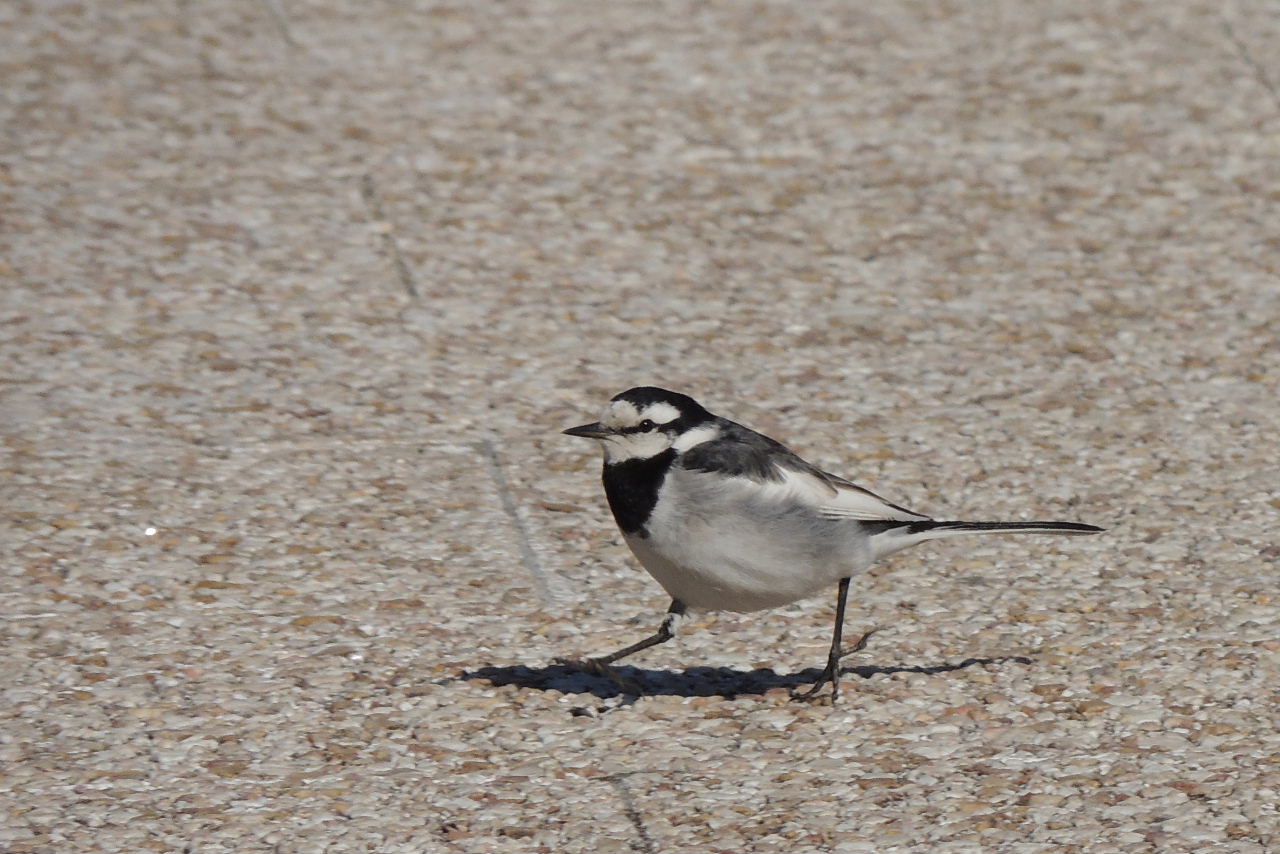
{"x":889,"y":537}
{"x":943,"y":529}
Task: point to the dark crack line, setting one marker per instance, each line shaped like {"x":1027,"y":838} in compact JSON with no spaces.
{"x":1245,"y":55}
{"x":490,"y":454}
{"x":644,"y":842}
{"x":369,"y":192}
{"x":276,"y":12}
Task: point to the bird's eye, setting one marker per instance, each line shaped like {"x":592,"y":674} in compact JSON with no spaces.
{"x":647,"y":425}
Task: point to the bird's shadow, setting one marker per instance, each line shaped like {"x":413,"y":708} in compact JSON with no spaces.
{"x":725,"y":682}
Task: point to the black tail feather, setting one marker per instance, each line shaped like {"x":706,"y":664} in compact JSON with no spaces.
{"x":1006,"y":527}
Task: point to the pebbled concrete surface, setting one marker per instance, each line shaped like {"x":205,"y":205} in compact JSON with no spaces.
{"x":297,"y":296}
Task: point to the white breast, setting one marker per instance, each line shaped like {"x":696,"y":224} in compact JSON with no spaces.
{"x":727,"y":544}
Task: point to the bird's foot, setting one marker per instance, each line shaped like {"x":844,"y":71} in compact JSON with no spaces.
{"x":860,"y":644}
{"x":831,"y":674}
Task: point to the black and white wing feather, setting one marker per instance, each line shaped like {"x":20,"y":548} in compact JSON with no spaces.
{"x":777,"y":472}
{"x":743,"y":453}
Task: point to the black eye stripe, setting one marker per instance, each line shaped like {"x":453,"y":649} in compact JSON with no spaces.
{"x":643,"y":427}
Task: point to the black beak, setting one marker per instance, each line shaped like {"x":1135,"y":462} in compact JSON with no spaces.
{"x":589,"y":431}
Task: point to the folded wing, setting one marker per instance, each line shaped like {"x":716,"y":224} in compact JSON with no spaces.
{"x":836,"y":498}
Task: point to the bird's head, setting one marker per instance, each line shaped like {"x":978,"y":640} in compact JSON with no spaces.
{"x":643,"y":422}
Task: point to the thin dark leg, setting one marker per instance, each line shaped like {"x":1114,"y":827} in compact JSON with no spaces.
{"x":664,"y":633}
{"x":832,"y":672}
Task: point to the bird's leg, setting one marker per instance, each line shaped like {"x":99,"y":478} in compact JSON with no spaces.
{"x":665,"y":632}
{"x":832,"y":672}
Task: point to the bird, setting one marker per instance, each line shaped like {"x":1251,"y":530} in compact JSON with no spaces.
{"x":728,"y":519}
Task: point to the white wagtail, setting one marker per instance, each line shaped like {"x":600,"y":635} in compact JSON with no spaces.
{"x":727,"y":519}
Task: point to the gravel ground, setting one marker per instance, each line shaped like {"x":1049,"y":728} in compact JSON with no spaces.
{"x":298,"y":294}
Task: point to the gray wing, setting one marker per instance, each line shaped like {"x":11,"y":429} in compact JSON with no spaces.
{"x":741,"y":452}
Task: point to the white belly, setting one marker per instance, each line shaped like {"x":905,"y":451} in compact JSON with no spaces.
{"x":731,"y":550}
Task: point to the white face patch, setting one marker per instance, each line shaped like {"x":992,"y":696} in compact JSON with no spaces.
{"x":623,"y":415}
{"x":660,"y":413}
{"x":631,"y":446}
{"x":695,"y":437}
{"x":619,"y":414}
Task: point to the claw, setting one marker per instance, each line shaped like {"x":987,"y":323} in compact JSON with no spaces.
{"x":812,"y":696}
{"x":831,"y":674}
{"x":860,"y":644}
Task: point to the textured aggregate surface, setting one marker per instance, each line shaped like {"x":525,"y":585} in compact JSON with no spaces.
{"x":298,"y":294}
